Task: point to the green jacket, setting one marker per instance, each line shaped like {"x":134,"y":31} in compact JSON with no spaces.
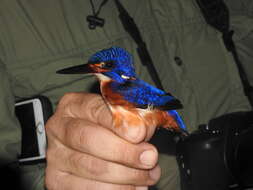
{"x":39,"y":37}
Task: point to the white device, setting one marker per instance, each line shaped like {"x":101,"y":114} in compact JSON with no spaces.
{"x":31,"y":116}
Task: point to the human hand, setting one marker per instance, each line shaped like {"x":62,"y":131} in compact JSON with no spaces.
{"x":86,"y":152}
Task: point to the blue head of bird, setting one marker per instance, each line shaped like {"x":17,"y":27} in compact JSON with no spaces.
{"x":114,"y":64}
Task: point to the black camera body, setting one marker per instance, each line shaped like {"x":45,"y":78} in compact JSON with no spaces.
{"x":218,"y":156}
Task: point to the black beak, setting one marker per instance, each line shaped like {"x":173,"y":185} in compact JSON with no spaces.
{"x":79,"y":69}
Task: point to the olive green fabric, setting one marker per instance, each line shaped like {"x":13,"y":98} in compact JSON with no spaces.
{"x":39,"y":37}
{"x":241,"y":21}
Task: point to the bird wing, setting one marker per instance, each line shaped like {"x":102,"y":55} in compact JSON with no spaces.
{"x":143,"y":95}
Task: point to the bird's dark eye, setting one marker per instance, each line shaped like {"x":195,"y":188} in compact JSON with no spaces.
{"x":106,"y":65}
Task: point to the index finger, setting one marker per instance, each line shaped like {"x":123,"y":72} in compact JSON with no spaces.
{"x":86,"y":106}
{"x":92,"y":107}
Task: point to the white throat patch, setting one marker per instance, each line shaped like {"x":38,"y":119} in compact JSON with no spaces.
{"x":102,"y":77}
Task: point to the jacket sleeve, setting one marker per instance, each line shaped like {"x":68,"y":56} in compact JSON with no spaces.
{"x":10,"y":135}
{"x":12,"y":174}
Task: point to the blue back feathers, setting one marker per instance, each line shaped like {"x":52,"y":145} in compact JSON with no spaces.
{"x":141,"y":93}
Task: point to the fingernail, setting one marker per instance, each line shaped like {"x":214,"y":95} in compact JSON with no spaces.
{"x":141,"y":188}
{"x":148,"y":157}
{"x":155,"y":173}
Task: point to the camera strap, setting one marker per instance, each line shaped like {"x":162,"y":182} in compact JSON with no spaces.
{"x":216,"y":14}
{"x":132,"y":29}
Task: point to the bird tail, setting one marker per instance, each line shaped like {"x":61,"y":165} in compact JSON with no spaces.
{"x":178,"y":119}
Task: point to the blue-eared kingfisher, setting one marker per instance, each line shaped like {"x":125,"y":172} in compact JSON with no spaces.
{"x":131,"y":100}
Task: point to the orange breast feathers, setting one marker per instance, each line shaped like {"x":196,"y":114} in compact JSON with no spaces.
{"x":126,"y":114}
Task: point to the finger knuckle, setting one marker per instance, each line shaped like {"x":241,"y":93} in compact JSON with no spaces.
{"x":97,"y":107}
{"x":76,"y":135}
{"x":50,"y":124}
{"x":83,"y":139}
{"x":75,"y":160}
{"x":92,"y":167}
{"x":97,"y":167}
{"x":68,"y":99}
